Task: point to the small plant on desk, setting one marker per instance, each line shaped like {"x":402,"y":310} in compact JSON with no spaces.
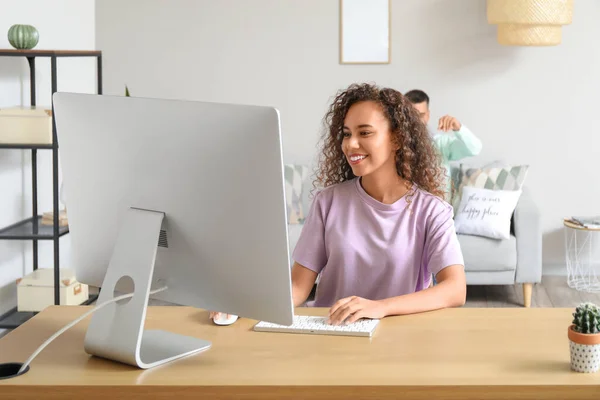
{"x":584,"y":338}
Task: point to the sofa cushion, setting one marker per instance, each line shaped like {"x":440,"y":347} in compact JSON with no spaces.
{"x":484,"y":254}
{"x":486,"y":212}
{"x":456,"y":174}
{"x":488,"y":177}
{"x":295,"y":177}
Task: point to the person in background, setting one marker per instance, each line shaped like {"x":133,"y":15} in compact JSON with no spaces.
{"x":457,"y":141}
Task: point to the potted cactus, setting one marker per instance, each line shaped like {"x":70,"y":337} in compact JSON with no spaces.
{"x":584,"y":338}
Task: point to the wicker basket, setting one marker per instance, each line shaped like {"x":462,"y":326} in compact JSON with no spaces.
{"x":530,"y":22}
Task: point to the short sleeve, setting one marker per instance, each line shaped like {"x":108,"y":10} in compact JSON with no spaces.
{"x":442,"y":248}
{"x":310,"y":250}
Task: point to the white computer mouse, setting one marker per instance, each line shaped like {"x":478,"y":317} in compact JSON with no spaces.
{"x":222,"y":319}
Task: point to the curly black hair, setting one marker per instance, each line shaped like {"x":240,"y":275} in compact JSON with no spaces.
{"x":417,"y":160}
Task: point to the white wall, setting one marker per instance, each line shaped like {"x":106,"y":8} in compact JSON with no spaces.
{"x":62,"y":24}
{"x":528,"y":105}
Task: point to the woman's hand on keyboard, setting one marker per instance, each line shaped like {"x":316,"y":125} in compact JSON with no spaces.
{"x":351,"y":309}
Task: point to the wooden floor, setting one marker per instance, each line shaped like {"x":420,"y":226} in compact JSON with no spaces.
{"x":553,"y":291}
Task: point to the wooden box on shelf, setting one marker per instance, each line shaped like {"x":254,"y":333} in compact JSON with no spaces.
{"x":35,"y":291}
{"x":48,"y":218}
{"x":26,"y":125}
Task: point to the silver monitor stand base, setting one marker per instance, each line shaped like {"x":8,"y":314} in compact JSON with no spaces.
{"x":116,"y":331}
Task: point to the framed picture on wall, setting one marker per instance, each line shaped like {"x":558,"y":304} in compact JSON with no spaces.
{"x":365,"y":31}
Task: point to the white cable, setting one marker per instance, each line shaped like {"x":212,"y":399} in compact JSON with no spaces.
{"x":70,"y":325}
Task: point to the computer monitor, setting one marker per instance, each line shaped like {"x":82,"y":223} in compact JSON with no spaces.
{"x":184,"y":194}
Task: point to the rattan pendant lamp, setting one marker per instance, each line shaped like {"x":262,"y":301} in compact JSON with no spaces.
{"x":529,"y":22}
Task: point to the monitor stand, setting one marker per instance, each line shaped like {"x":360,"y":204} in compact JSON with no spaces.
{"x":116,"y":331}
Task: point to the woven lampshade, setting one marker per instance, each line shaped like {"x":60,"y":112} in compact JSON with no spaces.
{"x":529,"y":22}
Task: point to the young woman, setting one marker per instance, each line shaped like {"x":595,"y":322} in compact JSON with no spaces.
{"x":379,"y":229}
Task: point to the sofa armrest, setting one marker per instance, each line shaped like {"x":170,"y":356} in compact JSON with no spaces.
{"x":528,"y":231}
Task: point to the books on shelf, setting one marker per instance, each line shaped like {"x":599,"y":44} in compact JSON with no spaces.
{"x":48,"y":218}
{"x":586,"y":222}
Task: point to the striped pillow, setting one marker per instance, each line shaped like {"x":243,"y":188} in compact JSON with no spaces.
{"x":504,"y":177}
{"x":295,"y":176}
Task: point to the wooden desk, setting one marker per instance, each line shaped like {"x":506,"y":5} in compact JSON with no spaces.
{"x":456,"y":353}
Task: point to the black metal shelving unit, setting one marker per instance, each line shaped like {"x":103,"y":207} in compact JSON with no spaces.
{"x":31,"y":228}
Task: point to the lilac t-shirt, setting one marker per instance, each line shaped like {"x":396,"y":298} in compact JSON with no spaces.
{"x":362,"y":247}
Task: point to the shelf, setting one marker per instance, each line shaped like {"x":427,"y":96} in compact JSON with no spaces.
{"x":50,"y":53}
{"x":25,"y":146}
{"x":24,"y":230}
{"x":13,"y":319}
{"x":32,"y":228}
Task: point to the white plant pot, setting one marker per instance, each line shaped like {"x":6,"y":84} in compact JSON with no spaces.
{"x":585,"y":351}
{"x":585,"y":357}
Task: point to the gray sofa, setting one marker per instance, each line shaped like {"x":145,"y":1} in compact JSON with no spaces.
{"x":517,"y":260}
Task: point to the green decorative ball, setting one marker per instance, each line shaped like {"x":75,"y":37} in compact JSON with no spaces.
{"x":23,"y":37}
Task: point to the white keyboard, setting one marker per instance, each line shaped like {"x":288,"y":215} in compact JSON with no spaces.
{"x":319,"y":326}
